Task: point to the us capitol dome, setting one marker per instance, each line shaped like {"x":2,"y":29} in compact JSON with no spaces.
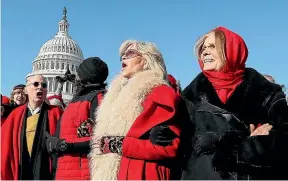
{"x":55,"y":57}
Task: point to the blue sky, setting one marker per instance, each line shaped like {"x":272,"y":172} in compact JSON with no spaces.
{"x":99,"y":27}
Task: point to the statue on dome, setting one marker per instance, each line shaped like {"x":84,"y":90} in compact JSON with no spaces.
{"x":64,"y":12}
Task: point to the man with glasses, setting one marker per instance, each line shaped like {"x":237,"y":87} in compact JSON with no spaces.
{"x":24,"y":155}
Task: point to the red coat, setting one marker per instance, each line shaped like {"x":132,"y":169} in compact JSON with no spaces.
{"x":74,"y":166}
{"x":10,"y":140}
{"x":140,"y":157}
{"x":3,"y":119}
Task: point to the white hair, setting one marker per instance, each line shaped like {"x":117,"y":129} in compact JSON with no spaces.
{"x":28,"y":78}
{"x":153,"y":58}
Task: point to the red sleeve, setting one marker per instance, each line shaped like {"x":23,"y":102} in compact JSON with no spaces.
{"x":159,"y":108}
{"x":9,"y":147}
{"x":145,"y":150}
{"x":54,"y":116}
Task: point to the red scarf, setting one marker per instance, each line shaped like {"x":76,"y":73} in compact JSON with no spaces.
{"x":226,"y":81}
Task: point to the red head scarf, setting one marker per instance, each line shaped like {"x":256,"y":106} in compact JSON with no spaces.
{"x":4,"y":100}
{"x":236,"y":52}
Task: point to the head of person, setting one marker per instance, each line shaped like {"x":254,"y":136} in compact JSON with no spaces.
{"x":269,"y":78}
{"x":18,"y":95}
{"x":56,"y":100}
{"x":93,"y":70}
{"x":36,"y":89}
{"x":137,"y":56}
{"x":221,"y":50}
{"x":173,"y":83}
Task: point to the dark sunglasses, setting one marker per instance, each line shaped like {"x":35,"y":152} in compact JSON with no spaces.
{"x":131,"y":53}
{"x":36,"y":84}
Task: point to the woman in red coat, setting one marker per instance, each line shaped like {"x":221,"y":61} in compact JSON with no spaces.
{"x":138,"y":108}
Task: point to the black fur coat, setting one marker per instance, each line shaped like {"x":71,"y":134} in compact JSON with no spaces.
{"x":220,"y":146}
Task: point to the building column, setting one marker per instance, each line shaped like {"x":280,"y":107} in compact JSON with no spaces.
{"x":48,"y":84}
{"x":64,"y":87}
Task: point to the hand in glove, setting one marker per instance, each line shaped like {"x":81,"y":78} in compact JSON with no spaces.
{"x":162,"y":135}
{"x":54,"y":144}
{"x":107,"y":144}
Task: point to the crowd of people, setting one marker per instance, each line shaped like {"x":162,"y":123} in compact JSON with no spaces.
{"x":229,"y":123}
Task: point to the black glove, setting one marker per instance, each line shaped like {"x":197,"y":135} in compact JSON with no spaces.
{"x":55,"y":145}
{"x":162,"y":135}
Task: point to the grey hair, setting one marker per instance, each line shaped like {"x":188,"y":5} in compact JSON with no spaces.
{"x":153,"y":58}
{"x":28,"y":78}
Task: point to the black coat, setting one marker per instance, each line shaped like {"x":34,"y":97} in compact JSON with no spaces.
{"x":219,"y":142}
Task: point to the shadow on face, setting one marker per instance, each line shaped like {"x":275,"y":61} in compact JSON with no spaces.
{"x":132,"y":62}
{"x":19,"y":96}
{"x":36,"y":89}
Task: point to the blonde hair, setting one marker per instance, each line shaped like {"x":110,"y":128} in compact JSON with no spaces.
{"x":153,"y":58}
{"x":220,"y":42}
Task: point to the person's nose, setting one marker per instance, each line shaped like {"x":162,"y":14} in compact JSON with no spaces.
{"x":206,"y":52}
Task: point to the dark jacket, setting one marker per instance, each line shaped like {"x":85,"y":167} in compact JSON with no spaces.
{"x":16,"y":163}
{"x":220,"y":142}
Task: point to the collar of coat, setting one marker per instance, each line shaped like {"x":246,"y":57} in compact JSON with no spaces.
{"x":254,"y":90}
{"x":120,"y":107}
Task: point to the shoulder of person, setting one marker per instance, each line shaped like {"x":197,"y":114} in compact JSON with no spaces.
{"x":55,"y":109}
{"x":164,"y":95}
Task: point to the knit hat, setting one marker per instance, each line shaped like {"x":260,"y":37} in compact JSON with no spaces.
{"x":20,"y":86}
{"x":93,"y":70}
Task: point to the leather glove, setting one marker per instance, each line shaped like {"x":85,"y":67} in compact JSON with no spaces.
{"x":55,"y":145}
{"x":112,"y":144}
{"x":162,"y":135}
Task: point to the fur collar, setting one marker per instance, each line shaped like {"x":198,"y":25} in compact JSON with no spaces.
{"x":253,"y":93}
{"x":121,"y":105}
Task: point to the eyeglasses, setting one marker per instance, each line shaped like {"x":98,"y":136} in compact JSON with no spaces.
{"x":36,"y":84}
{"x":131,"y":53}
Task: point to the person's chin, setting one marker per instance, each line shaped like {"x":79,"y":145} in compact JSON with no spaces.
{"x":125,"y":74}
{"x":38,"y":100}
{"x":209,"y":68}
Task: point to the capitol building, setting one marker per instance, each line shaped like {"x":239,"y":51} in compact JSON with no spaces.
{"x":55,"y":57}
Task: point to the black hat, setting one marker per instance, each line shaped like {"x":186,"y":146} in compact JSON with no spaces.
{"x":93,"y":70}
{"x":20,"y":86}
